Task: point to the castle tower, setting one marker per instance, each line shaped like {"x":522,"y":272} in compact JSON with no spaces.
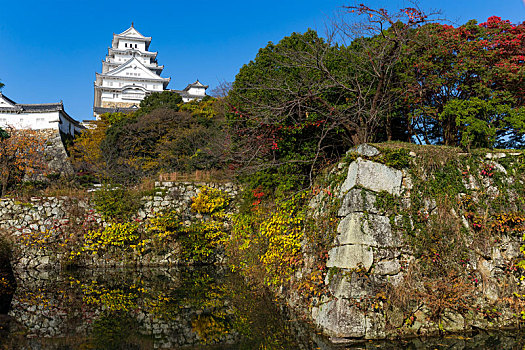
{"x":129,"y":73}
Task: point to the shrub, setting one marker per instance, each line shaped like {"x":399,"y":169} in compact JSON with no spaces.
{"x":210,"y":200}
{"x":268,"y":246}
{"x":116,"y":235}
{"x":116,"y":203}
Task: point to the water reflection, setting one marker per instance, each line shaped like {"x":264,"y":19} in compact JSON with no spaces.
{"x":190,"y":308}
{"x":196,"y":308}
{"x":500,"y":340}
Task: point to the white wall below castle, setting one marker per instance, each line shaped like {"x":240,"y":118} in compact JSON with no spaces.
{"x":38,"y":121}
{"x":118,"y":83}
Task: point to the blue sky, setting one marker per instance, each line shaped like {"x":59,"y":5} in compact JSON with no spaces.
{"x":50,"y":50}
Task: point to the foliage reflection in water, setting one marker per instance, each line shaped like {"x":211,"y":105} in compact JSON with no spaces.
{"x":195,"y":308}
{"x":191,"y":308}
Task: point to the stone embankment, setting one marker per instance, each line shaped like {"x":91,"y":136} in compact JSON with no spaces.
{"x":372,"y":258}
{"x":37,"y":227}
{"x":420,"y":248}
{"x":55,"y":153}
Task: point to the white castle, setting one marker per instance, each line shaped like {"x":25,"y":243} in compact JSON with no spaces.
{"x":130,"y":72}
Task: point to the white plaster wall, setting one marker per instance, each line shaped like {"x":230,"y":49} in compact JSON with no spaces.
{"x":197,"y":91}
{"x":126,"y":96}
{"x":4,"y":104}
{"x":119,"y":83}
{"x":36,"y":121}
{"x":124,"y":44}
{"x":67,"y":127}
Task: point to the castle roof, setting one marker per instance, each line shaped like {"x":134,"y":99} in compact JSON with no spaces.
{"x":12,"y":106}
{"x":132,"y":34}
{"x":112,"y":51}
{"x":136,"y":67}
{"x":196,"y":84}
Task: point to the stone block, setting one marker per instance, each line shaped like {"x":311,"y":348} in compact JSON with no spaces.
{"x":387,"y":267}
{"x":365,"y":150}
{"x":375,"y":325}
{"x":373,"y":176}
{"x":452,"y":322}
{"x":342,"y":285}
{"x":358,"y":200}
{"x":340,"y":318}
{"x":372,"y":230}
{"x":351,"y":257}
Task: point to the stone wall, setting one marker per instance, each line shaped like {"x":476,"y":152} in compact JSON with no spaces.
{"x":106,"y":104}
{"x":370,"y":255}
{"x":36,"y":227}
{"x":55,"y":152}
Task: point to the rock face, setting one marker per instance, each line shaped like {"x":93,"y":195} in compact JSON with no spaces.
{"x":369,"y":253}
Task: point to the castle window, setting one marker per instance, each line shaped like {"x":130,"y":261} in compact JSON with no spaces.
{"x":135,"y":45}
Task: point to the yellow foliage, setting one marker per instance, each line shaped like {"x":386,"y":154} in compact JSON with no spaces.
{"x":114,"y":235}
{"x":210,"y":200}
{"x":272,"y":240}
{"x":210,"y":328}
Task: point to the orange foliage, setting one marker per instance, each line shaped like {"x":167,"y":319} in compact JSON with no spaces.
{"x":85,"y":153}
{"x":21,"y":155}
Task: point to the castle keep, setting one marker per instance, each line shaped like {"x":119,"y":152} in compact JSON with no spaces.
{"x":130,"y":72}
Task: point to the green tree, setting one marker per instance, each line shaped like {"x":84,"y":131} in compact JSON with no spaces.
{"x":86,"y":154}
{"x":303,"y":101}
{"x":165,"y":99}
{"x":279,"y":110}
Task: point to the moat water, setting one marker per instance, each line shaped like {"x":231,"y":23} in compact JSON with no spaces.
{"x":176,"y":308}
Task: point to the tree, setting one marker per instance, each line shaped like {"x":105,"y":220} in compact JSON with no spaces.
{"x":164,"y":140}
{"x":305,"y":100}
{"x":21,"y":155}
{"x":464,"y":84}
{"x":86,"y":154}
{"x":221,"y":90}
{"x":165,"y":99}
{"x":278,"y":108}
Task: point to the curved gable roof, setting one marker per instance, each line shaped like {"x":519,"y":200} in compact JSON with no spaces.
{"x":134,"y":64}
